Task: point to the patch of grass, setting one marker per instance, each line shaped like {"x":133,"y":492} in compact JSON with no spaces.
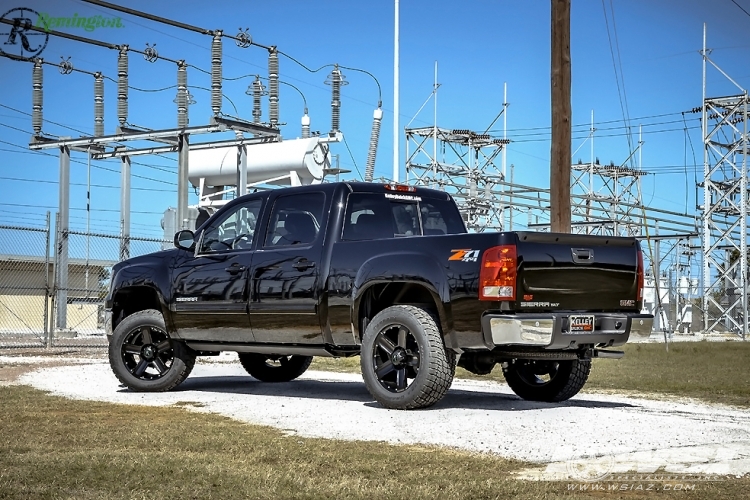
{"x":51,"y":447}
{"x":716,"y":372}
{"x":339,"y":365}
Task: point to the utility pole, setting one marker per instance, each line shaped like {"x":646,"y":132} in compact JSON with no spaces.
{"x":561,"y":118}
{"x":396,"y":131}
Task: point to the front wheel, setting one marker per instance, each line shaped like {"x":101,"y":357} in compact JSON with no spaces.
{"x":405,"y":364}
{"x":274,"y":368}
{"x":144,"y":357}
{"x":547,"y":381}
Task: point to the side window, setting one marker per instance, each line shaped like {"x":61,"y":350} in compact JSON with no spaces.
{"x":295,"y":220}
{"x":233,"y":231}
{"x":368,"y":217}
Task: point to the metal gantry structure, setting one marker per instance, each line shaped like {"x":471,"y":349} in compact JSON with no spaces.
{"x":464,"y":164}
{"x":130,"y":140}
{"x":725,"y":205}
{"x":120,"y":144}
{"x":607,"y":189}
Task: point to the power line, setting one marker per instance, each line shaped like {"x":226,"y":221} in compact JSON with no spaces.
{"x":227,"y":56}
{"x":741,"y":8}
{"x":588,"y":125}
{"x":578,"y":138}
{"x":74,"y":208}
{"x":95,"y":166}
{"x":20,"y":179}
{"x":620,"y":92}
{"x":75,"y":130}
{"x":352,"y":157}
{"x":599,"y":129}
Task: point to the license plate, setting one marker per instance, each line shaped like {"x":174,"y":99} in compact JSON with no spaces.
{"x":581,"y":324}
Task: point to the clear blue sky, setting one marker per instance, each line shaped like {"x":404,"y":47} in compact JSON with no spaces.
{"x":479,"y":45}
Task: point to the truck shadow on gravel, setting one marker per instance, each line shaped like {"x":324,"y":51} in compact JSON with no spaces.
{"x":356,"y":391}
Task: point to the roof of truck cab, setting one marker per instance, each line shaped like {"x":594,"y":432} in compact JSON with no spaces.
{"x":375,"y":187}
{"x":355,"y":187}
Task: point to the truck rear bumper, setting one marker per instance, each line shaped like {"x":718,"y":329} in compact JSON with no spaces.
{"x":553,"y":331}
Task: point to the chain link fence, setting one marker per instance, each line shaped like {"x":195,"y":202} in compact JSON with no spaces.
{"x":25,"y":281}
{"x":53,"y":284}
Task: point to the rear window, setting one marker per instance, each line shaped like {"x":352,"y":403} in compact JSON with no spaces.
{"x":372,"y":216}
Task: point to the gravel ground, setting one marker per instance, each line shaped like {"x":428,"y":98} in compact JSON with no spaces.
{"x":584,"y":436}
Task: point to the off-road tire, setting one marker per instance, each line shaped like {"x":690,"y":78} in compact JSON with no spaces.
{"x":177,"y":359}
{"x":569,"y":379}
{"x":436,"y":365}
{"x":264,"y":368}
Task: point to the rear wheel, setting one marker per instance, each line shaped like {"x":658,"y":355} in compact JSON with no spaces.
{"x":144,"y":357}
{"x":272,"y":367}
{"x":405,"y":364}
{"x":548,"y":381}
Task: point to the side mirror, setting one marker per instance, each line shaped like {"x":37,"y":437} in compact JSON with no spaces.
{"x":185,"y":239}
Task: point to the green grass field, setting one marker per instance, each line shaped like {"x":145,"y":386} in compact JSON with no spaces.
{"x":54,"y":448}
{"x":51,"y":447}
{"x":716,"y":372}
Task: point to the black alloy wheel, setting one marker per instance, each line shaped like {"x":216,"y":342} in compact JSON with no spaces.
{"x":404,"y":362}
{"x":547,"y":381}
{"x":395,"y":357}
{"x":274,"y":367}
{"x":147,"y":353}
{"x":143,"y":356}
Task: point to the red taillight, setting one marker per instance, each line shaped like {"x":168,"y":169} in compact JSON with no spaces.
{"x":639,"y":275}
{"x":497,"y":277}
{"x":400,"y":187}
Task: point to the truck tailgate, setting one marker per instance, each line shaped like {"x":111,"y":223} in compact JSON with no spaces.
{"x":570,"y":271}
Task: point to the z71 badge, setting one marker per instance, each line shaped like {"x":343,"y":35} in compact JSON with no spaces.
{"x":464,"y":255}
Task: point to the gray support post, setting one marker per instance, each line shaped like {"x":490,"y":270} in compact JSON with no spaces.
{"x":743,"y":219}
{"x":62,"y":244}
{"x":510,"y":200}
{"x":55,"y":281}
{"x":47,"y":338}
{"x":242,"y":170}
{"x":672,"y":296}
{"x":655,"y":265}
{"x":124,"y":208}
{"x":183,"y":147}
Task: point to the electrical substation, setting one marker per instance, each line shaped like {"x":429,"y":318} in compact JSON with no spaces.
{"x":696,"y":264}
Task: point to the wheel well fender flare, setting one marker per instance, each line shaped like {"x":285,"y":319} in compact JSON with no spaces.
{"x":411,"y":268}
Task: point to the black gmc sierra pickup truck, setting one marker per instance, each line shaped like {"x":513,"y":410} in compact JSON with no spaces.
{"x":387,"y":272}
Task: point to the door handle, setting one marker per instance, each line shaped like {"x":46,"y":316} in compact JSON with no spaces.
{"x":302,"y":265}
{"x":234,"y":269}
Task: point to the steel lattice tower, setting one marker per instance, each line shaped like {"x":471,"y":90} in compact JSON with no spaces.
{"x":725,"y":205}
{"x":610,"y":199}
{"x":466,"y":169}
{"x":725,"y":140}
